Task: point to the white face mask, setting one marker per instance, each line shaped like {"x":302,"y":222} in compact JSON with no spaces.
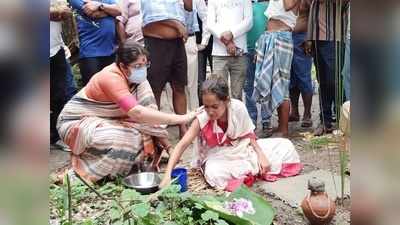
{"x":138,"y":75}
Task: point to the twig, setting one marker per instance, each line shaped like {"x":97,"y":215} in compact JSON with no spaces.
{"x":97,"y":193}
{"x":69,"y":199}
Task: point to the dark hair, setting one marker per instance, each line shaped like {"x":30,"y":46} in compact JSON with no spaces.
{"x":216,"y":85}
{"x":129,"y":51}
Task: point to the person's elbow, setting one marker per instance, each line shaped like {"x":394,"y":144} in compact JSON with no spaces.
{"x":136,"y":113}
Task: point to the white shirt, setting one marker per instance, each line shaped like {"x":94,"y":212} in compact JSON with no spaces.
{"x":56,"y":41}
{"x":277,"y":11}
{"x":229,"y":15}
{"x":201,"y":7}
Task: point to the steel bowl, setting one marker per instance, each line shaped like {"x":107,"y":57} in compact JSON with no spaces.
{"x":145,"y":183}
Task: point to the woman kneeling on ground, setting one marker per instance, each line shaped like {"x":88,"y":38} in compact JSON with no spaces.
{"x":114,"y":117}
{"x":227,"y":149}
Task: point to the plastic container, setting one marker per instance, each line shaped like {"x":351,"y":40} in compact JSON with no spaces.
{"x":181,"y":174}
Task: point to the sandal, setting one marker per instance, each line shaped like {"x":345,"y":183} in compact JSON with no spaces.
{"x":306,"y":122}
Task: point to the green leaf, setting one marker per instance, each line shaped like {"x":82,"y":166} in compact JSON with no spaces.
{"x":130,"y":195}
{"x":87,"y":222}
{"x":114,"y":214}
{"x":209,"y":215}
{"x":170,"y":223}
{"x":141,"y":210}
{"x":221,"y":222}
{"x":198,"y":206}
{"x":264,"y":211}
{"x":119,"y":222}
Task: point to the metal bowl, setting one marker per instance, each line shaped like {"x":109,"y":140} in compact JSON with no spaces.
{"x":144,"y":183}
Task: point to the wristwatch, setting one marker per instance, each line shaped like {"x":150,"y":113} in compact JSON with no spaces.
{"x":101,"y":7}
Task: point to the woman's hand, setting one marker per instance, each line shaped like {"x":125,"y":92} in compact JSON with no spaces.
{"x":191,"y":115}
{"x":165,"y":181}
{"x":263,"y":163}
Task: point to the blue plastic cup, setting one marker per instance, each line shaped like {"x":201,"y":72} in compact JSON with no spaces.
{"x":181,"y":174}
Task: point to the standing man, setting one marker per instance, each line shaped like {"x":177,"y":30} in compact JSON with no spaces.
{"x":274,"y":60}
{"x":300,"y":76}
{"x":58,"y":69}
{"x":204,"y":42}
{"x":129,"y":24}
{"x":229,"y":21}
{"x":97,"y":34}
{"x":165,"y":34}
{"x":192,"y":26}
{"x":346,"y":72}
{"x":259,"y":23}
{"x":321,"y":39}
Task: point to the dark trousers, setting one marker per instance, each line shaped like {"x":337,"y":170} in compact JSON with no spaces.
{"x":92,"y":65}
{"x":324,"y":59}
{"x":58,"y":69}
{"x":203,"y":56}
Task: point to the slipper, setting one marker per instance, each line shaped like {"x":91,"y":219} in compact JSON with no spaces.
{"x":294,"y":118}
{"x":321,"y":130}
{"x":306,"y":122}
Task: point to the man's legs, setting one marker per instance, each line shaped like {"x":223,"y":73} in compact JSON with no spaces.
{"x":238,"y":69}
{"x":202,"y":70}
{"x":283,"y":117}
{"x":71,"y":85}
{"x":220,"y":64}
{"x":178,"y":79}
{"x":300,"y":81}
{"x":249,"y":87}
{"x":325,"y":63}
{"x":346,"y":71}
{"x":160,"y":56}
{"x":294,"y":93}
{"x":192,"y":74}
{"x":208,"y":52}
{"x":90,"y":66}
{"x":58,"y":69}
{"x":302,"y":70}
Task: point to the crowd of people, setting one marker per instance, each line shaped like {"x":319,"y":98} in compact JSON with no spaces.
{"x":260,"y":56}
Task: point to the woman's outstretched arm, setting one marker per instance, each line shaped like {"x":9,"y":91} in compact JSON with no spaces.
{"x":176,"y":154}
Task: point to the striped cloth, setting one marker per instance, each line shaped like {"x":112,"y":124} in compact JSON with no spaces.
{"x":101,"y":136}
{"x":322,"y":22}
{"x":274,"y":51}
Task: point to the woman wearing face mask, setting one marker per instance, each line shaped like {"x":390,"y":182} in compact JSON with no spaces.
{"x":114,"y":117}
{"x":228,"y":150}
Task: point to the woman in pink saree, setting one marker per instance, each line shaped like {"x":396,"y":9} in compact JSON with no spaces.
{"x":227,"y":148}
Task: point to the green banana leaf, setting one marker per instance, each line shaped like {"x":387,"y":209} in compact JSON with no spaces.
{"x":264,"y":213}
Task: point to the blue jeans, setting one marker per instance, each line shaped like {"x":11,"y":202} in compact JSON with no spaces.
{"x":346,"y":71}
{"x":249,"y":88}
{"x":325,"y":67}
{"x":300,"y":76}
